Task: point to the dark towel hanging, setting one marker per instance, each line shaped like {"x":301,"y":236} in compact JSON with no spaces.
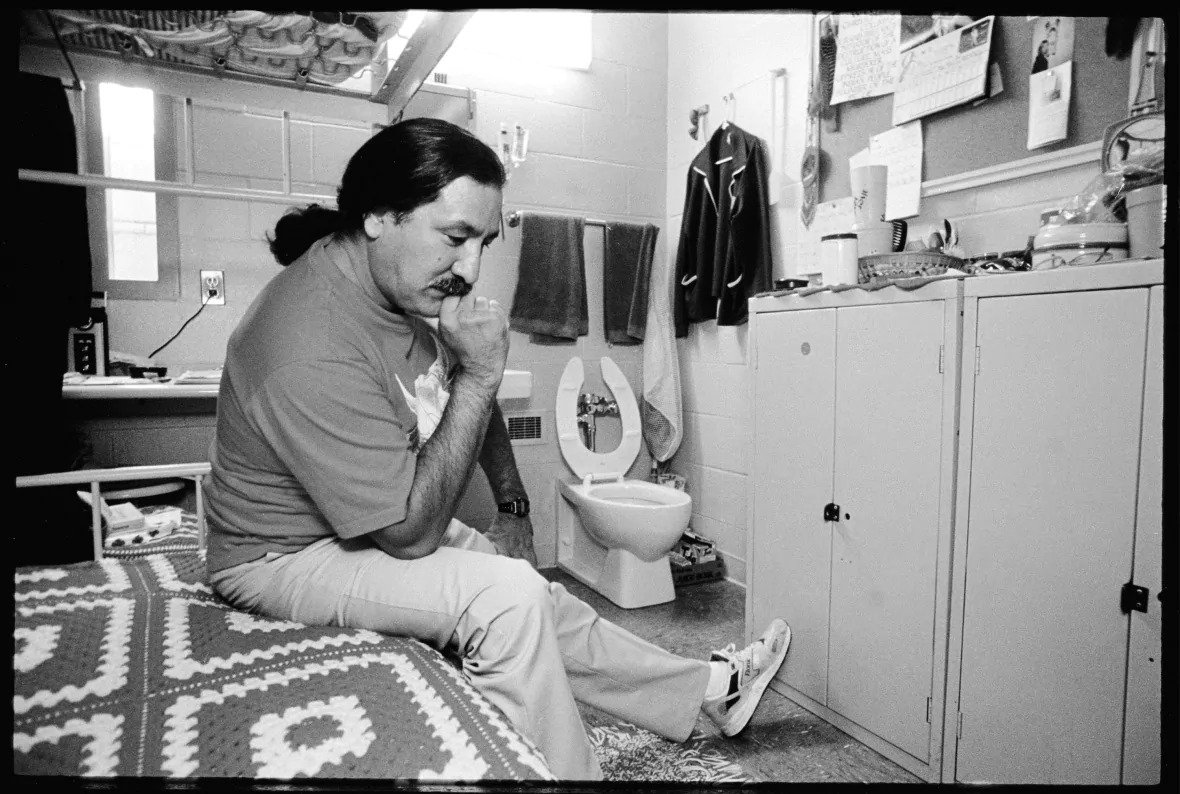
{"x":626,"y":273}
{"x":550,"y":298}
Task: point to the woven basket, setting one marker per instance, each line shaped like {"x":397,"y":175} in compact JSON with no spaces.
{"x":906,"y":264}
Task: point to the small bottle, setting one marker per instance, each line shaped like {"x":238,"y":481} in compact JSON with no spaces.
{"x":505,"y":145}
{"x":520,"y":145}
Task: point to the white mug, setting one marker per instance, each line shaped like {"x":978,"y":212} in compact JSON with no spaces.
{"x":868,"y":194}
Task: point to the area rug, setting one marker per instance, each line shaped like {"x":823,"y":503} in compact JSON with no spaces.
{"x":630,"y":753}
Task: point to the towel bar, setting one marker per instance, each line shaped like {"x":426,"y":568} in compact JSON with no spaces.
{"x":514,"y":220}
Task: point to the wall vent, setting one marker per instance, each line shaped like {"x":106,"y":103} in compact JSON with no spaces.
{"x":440,"y":78}
{"x":525,"y":429}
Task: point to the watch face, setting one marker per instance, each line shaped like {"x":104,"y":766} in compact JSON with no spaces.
{"x":518,"y":507}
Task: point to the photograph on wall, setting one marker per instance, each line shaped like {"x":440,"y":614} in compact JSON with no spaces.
{"x":915,"y":29}
{"x":1052,"y":43}
{"x":975,"y":36}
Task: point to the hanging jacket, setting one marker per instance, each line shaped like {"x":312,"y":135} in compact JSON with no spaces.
{"x":724,"y":251}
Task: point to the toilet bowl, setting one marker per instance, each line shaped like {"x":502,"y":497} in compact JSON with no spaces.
{"x":613,"y":533}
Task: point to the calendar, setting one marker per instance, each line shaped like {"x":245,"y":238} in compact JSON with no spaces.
{"x":948,"y":71}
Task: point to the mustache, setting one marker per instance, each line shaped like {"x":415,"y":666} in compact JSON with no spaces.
{"x":453,"y":285}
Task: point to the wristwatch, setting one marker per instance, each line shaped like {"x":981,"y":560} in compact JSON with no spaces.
{"x":518,"y":507}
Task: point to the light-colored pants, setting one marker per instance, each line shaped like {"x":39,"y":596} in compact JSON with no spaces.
{"x":528,"y":645}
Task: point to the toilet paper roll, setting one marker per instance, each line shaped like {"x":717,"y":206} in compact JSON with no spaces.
{"x":868,"y":194}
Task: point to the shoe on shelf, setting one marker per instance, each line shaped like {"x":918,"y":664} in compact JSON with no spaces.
{"x":751,"y":669}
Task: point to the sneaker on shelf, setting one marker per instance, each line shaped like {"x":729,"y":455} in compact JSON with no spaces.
{"x":751,"y":669}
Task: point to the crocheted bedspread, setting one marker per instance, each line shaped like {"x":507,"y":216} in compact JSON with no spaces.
{"x":133,"y":667}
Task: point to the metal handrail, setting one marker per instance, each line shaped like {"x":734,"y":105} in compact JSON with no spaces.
{"x":174,"y":188}
{"x":194,"y":471}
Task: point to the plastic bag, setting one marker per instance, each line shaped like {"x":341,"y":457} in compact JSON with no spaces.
{"x":1103,"y":200}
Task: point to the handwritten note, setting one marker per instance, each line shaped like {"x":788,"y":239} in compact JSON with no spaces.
{"x":866,"y":56}
{"x":900,"y":149}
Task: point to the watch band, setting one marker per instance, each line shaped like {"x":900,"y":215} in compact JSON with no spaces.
{"x":517,"y":507}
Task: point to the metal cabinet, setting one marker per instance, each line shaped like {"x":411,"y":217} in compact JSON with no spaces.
{"x":851,"y":493}
{"x":1058,"y":510}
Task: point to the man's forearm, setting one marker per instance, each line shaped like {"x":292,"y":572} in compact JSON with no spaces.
{"x":498,"y":461}
{"x":444,"y":466}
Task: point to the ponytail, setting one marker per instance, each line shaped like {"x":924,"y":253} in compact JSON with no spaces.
{"x":299,"y":228}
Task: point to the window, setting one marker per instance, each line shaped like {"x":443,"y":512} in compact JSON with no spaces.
{"x":133,"y":233}
{"x":129,"y":151}
{"x":554,"y":38}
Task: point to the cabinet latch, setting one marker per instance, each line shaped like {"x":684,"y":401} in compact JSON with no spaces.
{"x":1134,"y":597}
{"x":831,"y":512}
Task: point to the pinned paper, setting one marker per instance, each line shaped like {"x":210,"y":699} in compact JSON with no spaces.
{"x":866,"y":56}
{"x":1048,"y":105}
{"x":900,"y":149}
{"x":948,"y":71}
{"x":1050,"y":83}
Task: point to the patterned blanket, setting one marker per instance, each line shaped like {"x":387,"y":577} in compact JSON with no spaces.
{"x":134,"y":667}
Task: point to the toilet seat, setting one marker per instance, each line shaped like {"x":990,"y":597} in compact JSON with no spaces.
{"x":588,"y":465}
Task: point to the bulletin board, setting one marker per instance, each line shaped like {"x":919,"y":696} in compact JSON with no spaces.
{"x":969,"y":136}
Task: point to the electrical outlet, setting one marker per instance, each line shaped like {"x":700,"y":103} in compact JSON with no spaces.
{"x":213,"y":287}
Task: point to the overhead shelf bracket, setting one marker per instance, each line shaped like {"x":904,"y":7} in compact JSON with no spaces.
{"x":422,"y":52}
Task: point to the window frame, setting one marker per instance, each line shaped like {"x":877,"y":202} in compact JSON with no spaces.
{"x":167,"y":283}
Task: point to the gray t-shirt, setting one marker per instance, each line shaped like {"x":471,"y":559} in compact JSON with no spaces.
{"x":325,"y":399}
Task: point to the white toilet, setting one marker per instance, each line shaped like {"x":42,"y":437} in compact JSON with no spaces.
{"x":614,"y":534}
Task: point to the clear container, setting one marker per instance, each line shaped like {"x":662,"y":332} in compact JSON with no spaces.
{"x":1146,"y":208}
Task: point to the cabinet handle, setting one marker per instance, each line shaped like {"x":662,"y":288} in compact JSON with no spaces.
{"x":832,"y":512}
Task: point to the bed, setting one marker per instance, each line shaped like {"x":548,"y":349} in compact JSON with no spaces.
{"x":129,"y":665}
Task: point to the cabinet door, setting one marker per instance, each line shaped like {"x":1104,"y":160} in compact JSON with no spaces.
{"x":888,"y":470}
{"x":1055,"y":452}
{"x":792,"y":470}
{"x":1141,"y":739}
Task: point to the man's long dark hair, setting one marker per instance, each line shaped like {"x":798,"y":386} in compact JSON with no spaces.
{"x":397,"y":170}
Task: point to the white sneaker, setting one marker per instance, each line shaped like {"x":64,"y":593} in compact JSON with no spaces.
{"x":751,"y":669}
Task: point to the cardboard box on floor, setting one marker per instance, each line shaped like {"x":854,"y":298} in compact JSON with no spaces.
{"x":694,"y":560}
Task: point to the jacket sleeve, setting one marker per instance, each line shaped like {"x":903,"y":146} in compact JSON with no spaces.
{"x":750,"y":266}
{"x":685,"y":262}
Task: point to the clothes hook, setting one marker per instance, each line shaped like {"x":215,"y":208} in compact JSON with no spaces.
{"x":694,"y":118}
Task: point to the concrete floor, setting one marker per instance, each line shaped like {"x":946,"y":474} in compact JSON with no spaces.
{"x":783,"y":742}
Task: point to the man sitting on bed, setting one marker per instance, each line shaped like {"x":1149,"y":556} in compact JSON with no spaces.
{"x":348,"y":428}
